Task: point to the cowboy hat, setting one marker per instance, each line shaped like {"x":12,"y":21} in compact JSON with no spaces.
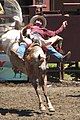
{"x":39,"y":17}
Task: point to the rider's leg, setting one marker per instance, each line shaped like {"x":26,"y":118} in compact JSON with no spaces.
{"x":60,"y":57}
{"x":50,"y":41}
{"x":21,"y":50}
{"x":53,"y":52}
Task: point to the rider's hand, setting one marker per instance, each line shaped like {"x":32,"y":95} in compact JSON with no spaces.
{"x":65,"y":24}
{"x":35,"y":38}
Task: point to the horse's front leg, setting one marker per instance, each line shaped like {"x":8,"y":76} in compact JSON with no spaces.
{"x":35,"y":84}
{"x":44,"y":87}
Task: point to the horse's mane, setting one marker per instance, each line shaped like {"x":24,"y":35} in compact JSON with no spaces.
{"x":31,"y":46}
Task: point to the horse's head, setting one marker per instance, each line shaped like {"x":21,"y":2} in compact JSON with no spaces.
{"x":36,"y":60}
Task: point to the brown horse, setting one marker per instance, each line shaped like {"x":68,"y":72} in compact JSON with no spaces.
{"x":34,"y":65}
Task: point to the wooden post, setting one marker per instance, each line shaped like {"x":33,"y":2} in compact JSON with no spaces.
{"x":61,"y":71}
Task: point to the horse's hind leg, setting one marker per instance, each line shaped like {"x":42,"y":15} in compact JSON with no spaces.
{"x":44,"y":87}
{"x":35,"y":83}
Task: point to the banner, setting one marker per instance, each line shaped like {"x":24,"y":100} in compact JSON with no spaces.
{"x":6,"y":72}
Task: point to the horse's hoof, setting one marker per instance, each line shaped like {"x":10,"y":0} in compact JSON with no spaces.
{"x":42,"y":108}
{"x":51,"y":109}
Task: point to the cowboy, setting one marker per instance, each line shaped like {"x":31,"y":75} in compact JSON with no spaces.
{"x":37,"y":31}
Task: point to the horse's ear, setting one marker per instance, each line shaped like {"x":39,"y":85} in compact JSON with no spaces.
{"x":40,"y":58}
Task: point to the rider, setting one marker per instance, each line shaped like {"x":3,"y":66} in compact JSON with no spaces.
{"x":43,"y":35}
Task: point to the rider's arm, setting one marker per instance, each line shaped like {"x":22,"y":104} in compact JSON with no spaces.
{"x":53,"y":33}
{"x":63,"y":26}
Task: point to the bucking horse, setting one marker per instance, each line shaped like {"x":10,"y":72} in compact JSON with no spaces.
{"x":34,"y":64}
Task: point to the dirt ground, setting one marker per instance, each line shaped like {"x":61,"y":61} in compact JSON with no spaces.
{"x":19,"y":102}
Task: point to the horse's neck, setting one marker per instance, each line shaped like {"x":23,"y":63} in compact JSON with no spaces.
{"x":36,"y":50}
{"x":9,"y":39}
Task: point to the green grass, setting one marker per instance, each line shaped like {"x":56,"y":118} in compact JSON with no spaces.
{"x":66,"y":76}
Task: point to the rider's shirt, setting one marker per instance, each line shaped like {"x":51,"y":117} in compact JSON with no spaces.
{"x":44,"y":32}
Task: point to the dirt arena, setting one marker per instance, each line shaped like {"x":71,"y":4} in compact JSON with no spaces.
{"x":19,"y":102}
